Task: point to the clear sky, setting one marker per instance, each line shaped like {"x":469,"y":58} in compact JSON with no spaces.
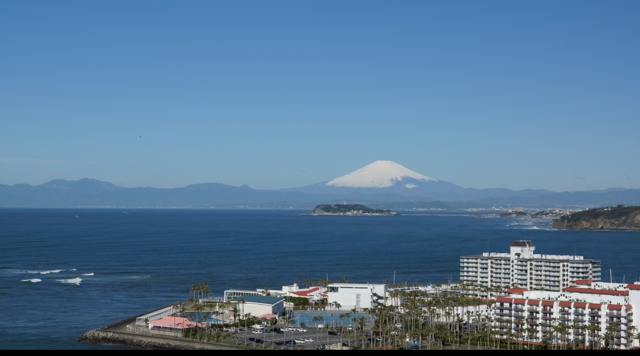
{"x":281,"y":94}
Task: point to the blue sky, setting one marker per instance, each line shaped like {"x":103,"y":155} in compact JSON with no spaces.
{"x":281,"y":94}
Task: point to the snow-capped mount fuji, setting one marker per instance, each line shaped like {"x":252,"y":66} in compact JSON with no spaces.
{"x":384,"y":181}
{"x":379,"y":174}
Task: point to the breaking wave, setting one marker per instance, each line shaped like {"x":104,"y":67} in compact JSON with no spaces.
{"x":33,"y":280}
{"x":75,"y":281}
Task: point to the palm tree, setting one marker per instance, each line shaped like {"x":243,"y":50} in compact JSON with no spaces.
{"x":265,"y":291}
{"x":316,"y":319}
{"x":593,"y":333}
{"x":341,"y":317}
{"x":194,"y":290}
{"x":531,"y":334}
{"x":178,"y":308}
{"x":240,"y":307}
{"x":204,"y":289}
{"x":198,"y":309}
{"x":562,"y":329}
{"x":610,"y":334}
{"x":631,"y":329}
{"x":518,"y":330}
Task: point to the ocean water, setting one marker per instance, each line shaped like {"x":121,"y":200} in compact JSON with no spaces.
{"x":67,"y":271}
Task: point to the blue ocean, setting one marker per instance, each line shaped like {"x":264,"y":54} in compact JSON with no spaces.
{"x":66,"y":271}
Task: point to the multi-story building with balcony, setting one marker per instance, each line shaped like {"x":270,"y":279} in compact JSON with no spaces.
{"x":585,"y":315}
{"x":523,"y":269}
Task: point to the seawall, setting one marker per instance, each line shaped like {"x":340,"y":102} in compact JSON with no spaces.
{"x":123,"y":333}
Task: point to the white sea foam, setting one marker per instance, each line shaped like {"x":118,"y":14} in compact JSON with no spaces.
{"x":138,"y":277}
{"x":88,"y":274}
{"x":49,"y":272}
{"x":33,"y":280}
{"x":75,"y":281}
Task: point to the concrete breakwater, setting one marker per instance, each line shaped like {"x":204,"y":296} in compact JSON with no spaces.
{"x":123,"y":334}
{"x":146,"y":342}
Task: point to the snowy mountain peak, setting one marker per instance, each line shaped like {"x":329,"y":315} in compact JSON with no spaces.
{"x":379,"y":174}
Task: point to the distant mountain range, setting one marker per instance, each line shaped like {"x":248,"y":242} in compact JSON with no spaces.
{"x":381,"y":184}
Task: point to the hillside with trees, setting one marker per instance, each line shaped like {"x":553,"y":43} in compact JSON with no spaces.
{"x":609,"y":218}
{"x":349,"y":209}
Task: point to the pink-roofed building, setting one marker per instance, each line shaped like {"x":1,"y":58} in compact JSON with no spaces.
{"x":173,"y":323}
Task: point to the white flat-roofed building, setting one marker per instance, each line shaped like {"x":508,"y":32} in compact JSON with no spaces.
{"x":524,"y":269}
{"x":585,"y":315}
{"x":259,"y":306}
{"x":234,"y":294}
{"x":356,"y":295}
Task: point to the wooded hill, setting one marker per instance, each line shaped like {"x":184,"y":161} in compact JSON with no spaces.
{"x":610,"y":218}
{"x":349,"y":209}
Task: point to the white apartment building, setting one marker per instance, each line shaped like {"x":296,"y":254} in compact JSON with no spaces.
{"x":584,"y":315}
{"x":523,"y":269}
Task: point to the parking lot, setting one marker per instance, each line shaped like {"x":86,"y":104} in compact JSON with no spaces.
{"x":284,"y":337}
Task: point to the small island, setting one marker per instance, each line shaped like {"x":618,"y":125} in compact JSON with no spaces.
{"x":349,"y":209}
{"x":610,"y":218}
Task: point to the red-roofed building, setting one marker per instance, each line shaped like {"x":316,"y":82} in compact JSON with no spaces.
{"x":609,"y":306}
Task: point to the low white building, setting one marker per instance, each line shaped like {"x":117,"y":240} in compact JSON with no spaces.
{"x":347,"y":296}
{"x":259,"y":306}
